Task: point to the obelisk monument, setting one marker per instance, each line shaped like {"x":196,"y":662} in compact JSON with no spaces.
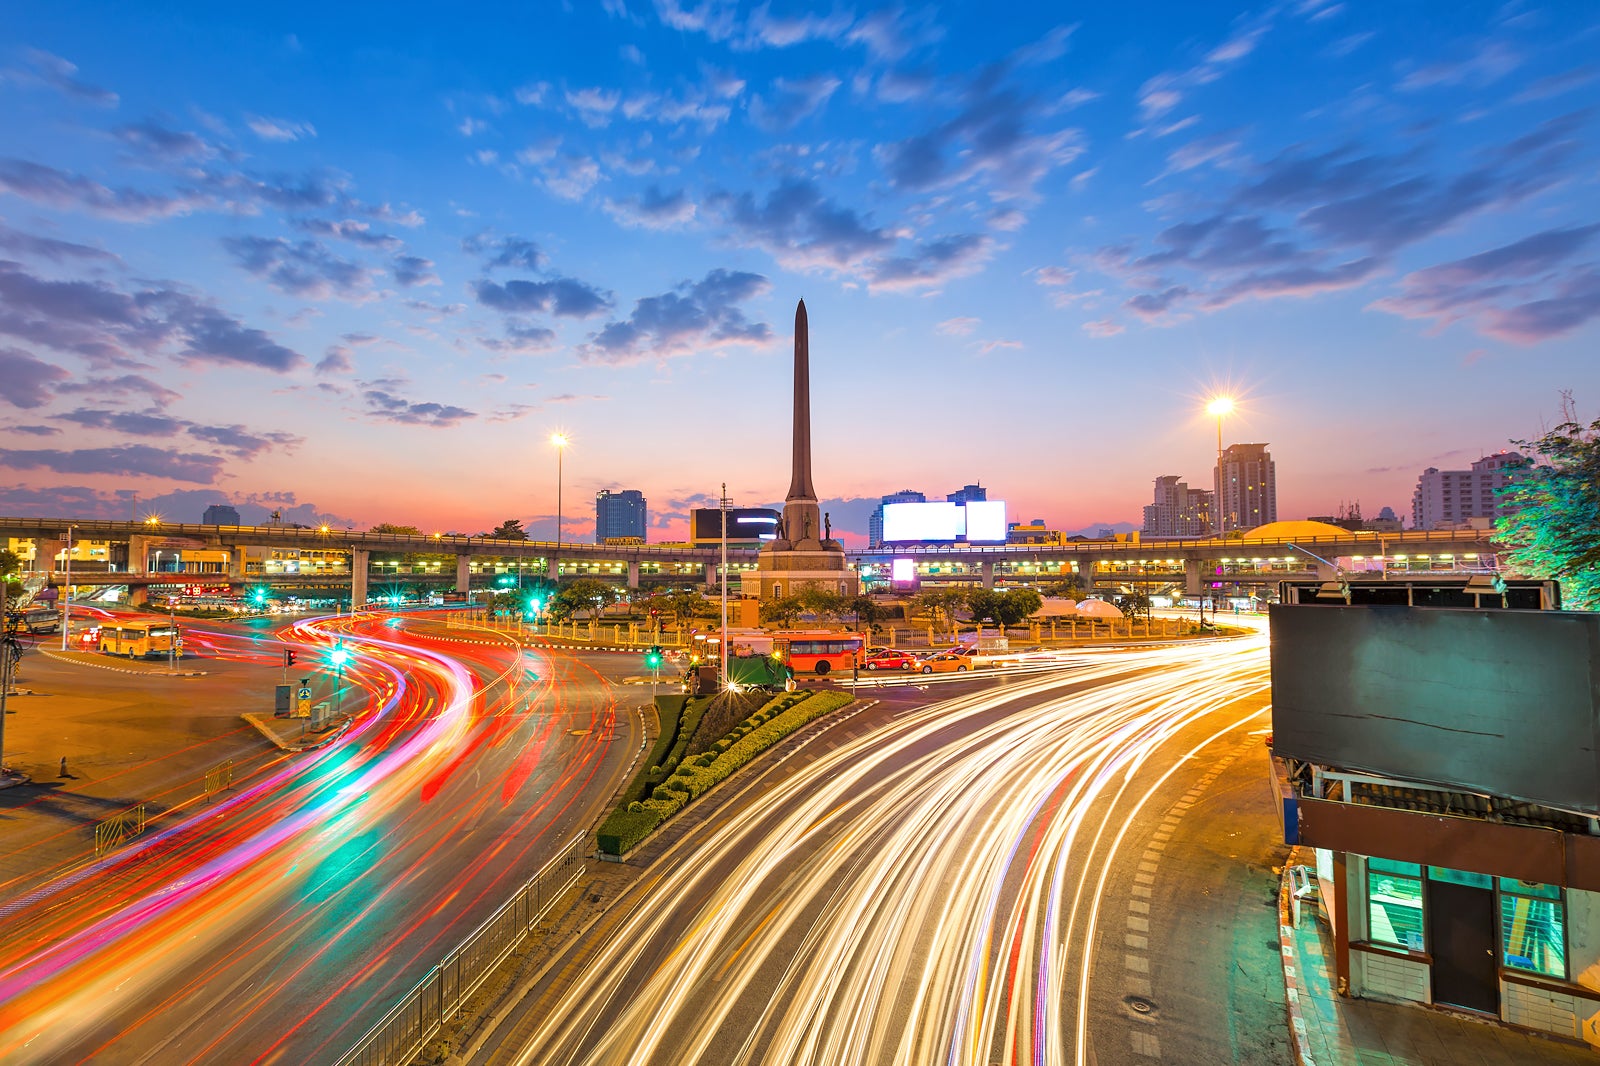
{"x":803,"y":553}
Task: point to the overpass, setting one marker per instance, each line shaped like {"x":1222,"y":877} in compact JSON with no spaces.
{"x":148,"y":539}
{"x":1237,"y":559}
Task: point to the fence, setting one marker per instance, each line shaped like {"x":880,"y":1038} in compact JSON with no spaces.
{"x":119,"y":827}
{"x":440,"y":994}
{"x":608,"y":633}
{"x":218,"y":779}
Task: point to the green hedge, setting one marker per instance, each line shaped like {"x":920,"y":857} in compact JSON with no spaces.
{"x":782,"y":716}
{"x":669,"y":710}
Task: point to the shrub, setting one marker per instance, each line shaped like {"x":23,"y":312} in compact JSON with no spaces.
{"x":623,"y":830}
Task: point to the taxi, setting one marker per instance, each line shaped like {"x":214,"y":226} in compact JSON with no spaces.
{"x":945,"y":662}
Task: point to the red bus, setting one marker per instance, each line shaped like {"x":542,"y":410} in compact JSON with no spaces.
{"x":820,"y":652}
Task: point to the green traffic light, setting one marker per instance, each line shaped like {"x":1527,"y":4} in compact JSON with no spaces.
{"x":339,"y":656}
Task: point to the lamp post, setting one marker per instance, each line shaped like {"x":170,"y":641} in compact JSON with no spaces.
{"x":66,"y":592}
{"x":1220,"y":406}
{"x":339,"y":656}
{"x":560,"y":441}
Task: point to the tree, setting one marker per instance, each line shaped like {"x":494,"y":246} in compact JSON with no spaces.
{"x":1132,"y":604}
{"x":821,"y":601}
{"x":866,"y":611}
{"x":1015,"y":605}
{"x":782,"y":611}
{"x":685,"y":603}
{"x":390,"y":527}
{"x":510,"y":529}
{"x":1552,"y":531}
{"x":10,"y":566}
{"x":984,"y":605}
{"x":589,"y":594}
{"x":1071,"y":587}
{"x":940,"y":603}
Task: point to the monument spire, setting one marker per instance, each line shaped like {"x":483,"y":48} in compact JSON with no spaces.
{"x":800,"y":476}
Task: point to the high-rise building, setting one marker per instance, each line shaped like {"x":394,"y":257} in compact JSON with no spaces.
{"x":1247,"y":488}
{"x":968,"y":494}
{"x":1178,"y":510}
{"x":875,"y":522}
{"x":219,"y":514}
{"x":619,"y":514}
{"x":1450,"y":498}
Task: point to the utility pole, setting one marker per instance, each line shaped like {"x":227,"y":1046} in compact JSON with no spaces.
{"x":66,"y":593}
{"x":723,"y":503}
{"x":5,"y":670}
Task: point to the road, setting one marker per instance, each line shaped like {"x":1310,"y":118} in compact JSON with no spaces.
{"x":283,"y":920}
{"x":1068,"y":867}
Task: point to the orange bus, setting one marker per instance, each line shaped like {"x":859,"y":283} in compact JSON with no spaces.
{"x":820,"y":652}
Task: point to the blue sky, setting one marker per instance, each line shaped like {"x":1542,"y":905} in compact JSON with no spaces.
{"x":358,"y":262}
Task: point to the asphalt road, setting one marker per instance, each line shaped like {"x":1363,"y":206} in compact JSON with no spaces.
{"x":290,"y":914}
{"x":1063,"y":867}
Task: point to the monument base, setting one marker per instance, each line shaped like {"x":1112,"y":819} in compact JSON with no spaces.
{"x":784,"y":573}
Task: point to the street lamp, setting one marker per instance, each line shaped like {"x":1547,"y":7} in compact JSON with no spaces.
{"x":560,"y":441}
{"x":339,"y":656}
{"x":1222,"y":405}
{"x":66,"y":590}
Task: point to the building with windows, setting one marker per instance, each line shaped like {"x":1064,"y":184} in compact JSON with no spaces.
{"x":1177,"y":510}
{"x":619,"y":514}
{"x":1452,"y":499}
{"x":1247,"y":488}
{"x":875,"y":522}
{"x":219,"y":514}
{"x":968,"y":494}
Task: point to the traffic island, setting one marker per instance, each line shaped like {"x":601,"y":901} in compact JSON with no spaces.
{"x":150,"y":668}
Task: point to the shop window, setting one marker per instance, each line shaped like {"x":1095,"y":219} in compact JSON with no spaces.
{"x":1394,"y":903}
{"x":1533,"y":928}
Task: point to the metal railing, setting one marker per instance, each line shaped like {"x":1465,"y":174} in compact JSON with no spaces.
{"x":218,"y":779}
{"x":119,"y":827}
{"x":440,"y":994}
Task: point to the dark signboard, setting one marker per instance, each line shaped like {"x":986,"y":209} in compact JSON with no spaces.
{"x":744,"y":523}
{"x":1499,"y":702}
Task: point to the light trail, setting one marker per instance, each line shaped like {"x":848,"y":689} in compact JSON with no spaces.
{"x":923,"y":894}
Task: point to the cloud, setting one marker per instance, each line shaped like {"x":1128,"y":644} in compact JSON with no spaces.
{"x":988,"y":347}
{"x":65,"y":192}
{"x":241,"y":443}
{"x":558,"y":296}
{"x":162,"y":143}
{"x":1557,"y":84}
{"x":1486,"y":63}
{"x":336,"y":360}
{"x":958,"y":327}
{"x":471,"y":126}
{"x":25,"y":381}
{"x":1522,"y":292}
{"x":386,"y":407}
{"x":693,"y":316}
{"x":214,"y":337}
{"x":932,"y":262}
{"x":505,"y":252}
{"x":301,"y":268}
{"x":413,"y":270}
{"x":1054,"y":276}
{"x":56,"y":73}
{"x":652,"y":209}
{"x":13,"y":240}
{"x":132,"y":460}
{"x":1102,"y":328}
{"x":792,"y":100}
{"x":594,"y":106}
{"x":123,"y":387}
{"x":1165,"y":91}
{"x":36,"y":431}
{"x":132,"y":423}
{"x":353,"y":230}
{"x":279,"y":129}
{"x":523,"y":338}
{"x":801,"y":228}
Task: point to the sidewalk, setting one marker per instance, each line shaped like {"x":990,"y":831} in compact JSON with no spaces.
{"x":1330,"y":1030}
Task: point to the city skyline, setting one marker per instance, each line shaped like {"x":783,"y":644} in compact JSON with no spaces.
{"x":349,"y":272}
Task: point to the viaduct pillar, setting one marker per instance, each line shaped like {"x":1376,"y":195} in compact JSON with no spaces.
{"x":633,"y":573}
{"x":359,"y":561}
{"x":986,"y":571}
{"x":463,"y":572}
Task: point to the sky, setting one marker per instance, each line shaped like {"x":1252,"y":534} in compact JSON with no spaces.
{"x":356,"y":263}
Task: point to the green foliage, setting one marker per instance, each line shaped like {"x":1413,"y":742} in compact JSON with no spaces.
{"x":783,"y":611}
{"x":941,"y":603}
{"x":1553,"y":531}
{"x":686,"y":603}
{"x":1133,"y":604}
{"x":625,"y":828}
{"x":866,"y":611}
{"x":10,"y":562}
{"x":510,"y":529}
{"x":1016,"y":605}
{"x":1071,"y":587}
{"x":822,"y":602}
{"x":588,"y":594}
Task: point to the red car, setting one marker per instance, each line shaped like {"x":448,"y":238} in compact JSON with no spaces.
{"x":889,"y":659}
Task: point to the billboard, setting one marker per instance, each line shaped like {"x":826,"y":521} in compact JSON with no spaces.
{"x":744,"y":523}
{"x":986,"y":522}
{"x":1500,"y":702}
{"x":978,"y":521}
{"x":923,"y":521}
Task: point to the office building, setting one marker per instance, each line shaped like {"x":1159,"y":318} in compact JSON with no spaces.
{"x":1247,"y":488}
{"x":618,"y":516}
{"x":1452,"y":499}
{"x":219,"y":514}
{"x":1177,"y":510}
{"x":968,"y":494}
{"x":875,"y":522}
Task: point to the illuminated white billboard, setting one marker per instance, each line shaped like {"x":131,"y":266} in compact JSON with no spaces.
{"x":903,"y":571}
{"x":986,"y":522}
{"x":923,"y":521}
{"x":978,"y":522}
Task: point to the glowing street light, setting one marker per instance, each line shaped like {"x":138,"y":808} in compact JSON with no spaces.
{"x":1222,"y":405}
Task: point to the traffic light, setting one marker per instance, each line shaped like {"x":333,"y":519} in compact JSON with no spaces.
{"x":339,"y":655}
{"x":653,"y":658}
{"x":534,"y":604}
{"x":288,"y":657}
{"x":258,"y":594}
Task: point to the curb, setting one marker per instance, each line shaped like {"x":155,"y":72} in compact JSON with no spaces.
{"x":58,"y":657}
{"x":326,"y":738}
{"x":1293,"y":988}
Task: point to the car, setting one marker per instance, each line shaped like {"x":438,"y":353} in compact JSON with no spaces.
{"x":945,"y":662}
{"x":889,"y":659}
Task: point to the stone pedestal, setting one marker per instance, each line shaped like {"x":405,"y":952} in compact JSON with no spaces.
{"x":783,"y":572}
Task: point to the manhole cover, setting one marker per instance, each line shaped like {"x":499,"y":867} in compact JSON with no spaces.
{"x":1140,"y":1005}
